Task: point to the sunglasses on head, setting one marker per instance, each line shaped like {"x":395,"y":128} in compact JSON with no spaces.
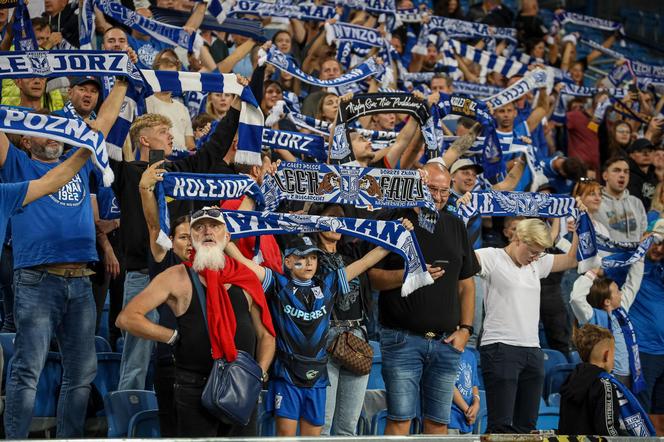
{"x":214,"y":213}
{"x":585,"y":179}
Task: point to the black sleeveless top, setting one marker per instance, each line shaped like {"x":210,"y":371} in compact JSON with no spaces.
{"x":193,"y":352}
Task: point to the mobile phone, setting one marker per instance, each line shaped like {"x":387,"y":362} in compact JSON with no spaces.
{"x":155,"y":156}
{"x":440,"y":263}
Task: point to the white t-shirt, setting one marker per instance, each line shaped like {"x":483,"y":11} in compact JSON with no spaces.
{"x":511,"y":298}
{"x":179,"y":116}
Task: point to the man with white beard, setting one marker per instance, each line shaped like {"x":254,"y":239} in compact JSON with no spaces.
{"x":234,"y":301}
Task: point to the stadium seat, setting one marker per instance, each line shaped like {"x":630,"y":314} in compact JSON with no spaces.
{"x":108,"y":374}
{"x":121,"y":406}
{"x":48,"y":390}
{"x":573,"y":357}
{"x":552,"y":358}
{"x":145,"y":424}
{"x":7,"y":343}
{"x":375,"y":376}
{"x":480,"y":424}
{"x":102,"y":345}
{"x":379,"y":421}
{"x":554,"y":400}
{"x":556,"y":377}
{"x":547,"y":421}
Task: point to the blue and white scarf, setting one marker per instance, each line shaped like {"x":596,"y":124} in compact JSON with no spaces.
{"x":280,"y":60}
{"x":535,"y":79}
{"x":529,"y":204}
{"x":477,"y":110}
{"x":354,"y":34}
{"x":623,"y":254}
{"x":249,"y":28}
{"x":638,"y":381}
{"x":302,"y":121}
{"x":455,"y":28}
{"x":199,"y":187}
{"x":86,"y":23}
{"x":388,"y":234}
{"x":586,"y":21}
{"x":632,"y":415}
{"x":29,"y":64}
{"x":604,"y":50}
{"x":359,"y":186}
{"x":72,"y":131}
{"x":250,"y":129}
{"x":492,"y":62}
{"x":476,"y":90}
{"x":586,"y":253}
{"x":24,"y":35}
{"x":305,"y":12}
{"x":171,"y":35}
{"x":296,"y":142}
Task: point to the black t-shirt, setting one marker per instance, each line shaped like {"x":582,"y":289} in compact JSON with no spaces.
{"x":433,"y":308}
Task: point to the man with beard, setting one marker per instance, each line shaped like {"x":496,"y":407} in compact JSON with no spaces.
{"x":53,"y":241}
{"x":229,"y":289}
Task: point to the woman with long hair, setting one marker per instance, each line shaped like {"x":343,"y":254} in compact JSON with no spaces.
{"x":620,"y":137}
{"x":657,"y":205}
{"x":218,"y":104}
{"x":327,"y":107}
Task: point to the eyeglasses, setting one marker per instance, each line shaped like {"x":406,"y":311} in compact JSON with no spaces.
{"x":442,"y":192}
{"x":214,"y":213}
{"x":536,"y":255}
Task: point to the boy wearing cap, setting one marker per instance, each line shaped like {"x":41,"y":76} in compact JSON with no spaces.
{"x":301,"y":305}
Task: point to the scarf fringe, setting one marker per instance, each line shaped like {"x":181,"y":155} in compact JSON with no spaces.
{"x":414,"y":282}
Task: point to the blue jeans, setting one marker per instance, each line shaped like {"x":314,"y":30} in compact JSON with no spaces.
{"x":44,"y":305}
{"x":345,"y":394}
{"x":415,"y":367}
{"x":137,"y":351}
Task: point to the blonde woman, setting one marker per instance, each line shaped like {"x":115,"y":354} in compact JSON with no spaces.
{"x":512,"y":361}
{"x":657,"y":206}
{"x":218,"y":104}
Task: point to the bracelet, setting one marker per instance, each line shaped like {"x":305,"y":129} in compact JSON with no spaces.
{"x":477,"y":396}
{"x":174,"y":338}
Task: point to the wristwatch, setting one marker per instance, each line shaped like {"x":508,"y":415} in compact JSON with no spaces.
{"x":265,"y":377}
{"x":470,"y":328}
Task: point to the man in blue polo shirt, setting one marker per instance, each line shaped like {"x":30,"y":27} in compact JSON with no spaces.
{"x":53,"y":241}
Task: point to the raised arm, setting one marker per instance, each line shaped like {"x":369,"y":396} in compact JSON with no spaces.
{"x":227,"y":64}
{"x":580,"y":307}
{"x":632,"y":284}
{"x":397,"y":148}
{"x":568,"y":260}
{"x":541,"y":111}
{"x":196,"y":18}
{"x":461,"y":145}
{"x":513,"y":176}
{"x":149,"y":204}
{"x":110,"y":108}
{"x":366,"y":262}
{"x":55,"y":178}
{"x":232,"y":251}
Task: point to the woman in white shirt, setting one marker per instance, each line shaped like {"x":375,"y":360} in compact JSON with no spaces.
{"x":512,"y":361}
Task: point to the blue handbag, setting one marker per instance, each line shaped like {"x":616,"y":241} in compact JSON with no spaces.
{"x":232,"y":389}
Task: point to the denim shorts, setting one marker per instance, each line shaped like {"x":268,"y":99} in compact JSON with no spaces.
{"x":414,"y":367}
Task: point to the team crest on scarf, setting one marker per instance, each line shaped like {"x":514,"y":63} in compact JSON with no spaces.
{"x":39,"y":62}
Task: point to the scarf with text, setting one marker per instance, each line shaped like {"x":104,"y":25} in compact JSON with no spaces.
{"x":249,"y":28}
{"x":624,"y":254}
{"x":535,"y":79}
{"x":455,"y":28}
{"x":388,"y":234}
{"x":638,"y":381}
{"x":199,"y":187}
{"x":633,"y":416}
{"x":586,"y":21}
{"x":218,"y":312}
{"x":354,"y":34}
{"x":306,"y":12}
{"x":250,"y":129}
{"x":370,"y":104}
{"x":358,"y":186}
{"x":279,"y":60}
{"x":477,"y":110}
{"x":72,"y":131}
{"x":171,"y":35}
{"x":296,"y":142}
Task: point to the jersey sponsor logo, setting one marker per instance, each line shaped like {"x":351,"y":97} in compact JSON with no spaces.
{"x":306,"y":316}
{"x":71,"y":194}
{"x":311,"y":374}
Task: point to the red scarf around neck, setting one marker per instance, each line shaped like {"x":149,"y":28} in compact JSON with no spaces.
{"x":220,"y":314}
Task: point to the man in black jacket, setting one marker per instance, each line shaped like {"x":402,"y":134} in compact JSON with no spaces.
{"x":642,"y":177}
{"x":152,"y":132}
{"x":588,"y":403}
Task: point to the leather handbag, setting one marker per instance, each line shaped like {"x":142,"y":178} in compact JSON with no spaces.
{"x":232,"y":390}
{"x":352,"y":353}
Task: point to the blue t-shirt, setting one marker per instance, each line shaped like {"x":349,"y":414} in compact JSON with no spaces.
{"x":146,"y":50}
{"x":601,"y":318}
{"x":465,"y":381}
{"x":647,"y":311}
{"x":56,"y":228}
{"x":11,"y":201}
{"x":301,"y":314}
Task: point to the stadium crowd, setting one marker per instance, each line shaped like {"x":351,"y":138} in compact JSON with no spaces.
{"x":273,"y":180}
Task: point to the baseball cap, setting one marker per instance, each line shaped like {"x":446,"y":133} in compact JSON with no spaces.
{"x":214,"y":213}
{"x":465,"y":163}
{"x":79,"y":81}
{"x":301,"y":246}
{"x":639,"y":144}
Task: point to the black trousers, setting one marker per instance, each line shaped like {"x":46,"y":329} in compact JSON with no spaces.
{"x":164,"y":383}
{"x":554,"y":316}
{"x":193,"y":420}
{"x":514,"y":380}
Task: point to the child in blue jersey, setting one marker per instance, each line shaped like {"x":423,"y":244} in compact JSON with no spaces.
{"x":301,"y":305}
{"x":466,"y":403}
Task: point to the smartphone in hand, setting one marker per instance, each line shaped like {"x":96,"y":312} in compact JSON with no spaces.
{"x":155,"y":156}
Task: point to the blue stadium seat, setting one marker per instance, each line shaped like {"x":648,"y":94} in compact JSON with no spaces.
{"x":48,"y":390}
{"x":556,"y":377}
{"x":379,"y":421}
{"x":480,"y":424}
{"x":552,"y":358}
{"x":547,"y":421}
{"x":7,"y":343}
{"x":121,"y":406}
{"x":145,"y":424}
{"x":375,"y":376}
{"x":573,"y":357}
{"x":554,"y":400}
{"x":102,"y":345}
{"x":108,"y":374}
